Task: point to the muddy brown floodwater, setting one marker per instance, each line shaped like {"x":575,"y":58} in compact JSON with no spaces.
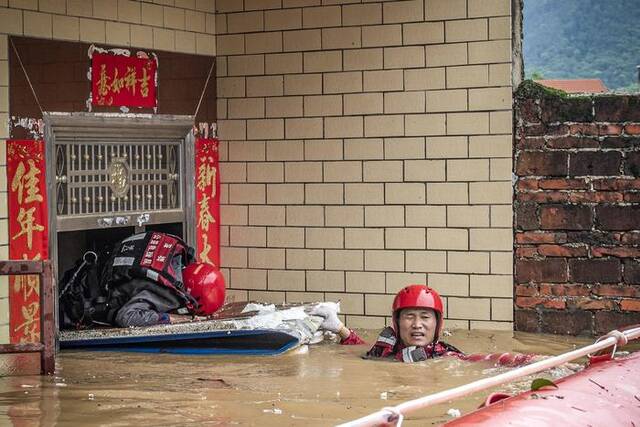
{"x":322,"y":385}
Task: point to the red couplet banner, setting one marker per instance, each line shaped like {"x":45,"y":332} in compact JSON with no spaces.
{"x":207,"y":201}
{"x":118,"y":80}
{"x":28,"y":234}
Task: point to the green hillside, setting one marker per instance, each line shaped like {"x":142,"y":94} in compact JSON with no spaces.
{"x":566,"y":39}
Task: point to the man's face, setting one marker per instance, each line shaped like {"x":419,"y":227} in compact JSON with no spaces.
{"x":417,"y":326}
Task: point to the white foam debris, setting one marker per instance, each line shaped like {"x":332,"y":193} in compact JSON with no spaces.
{"x":384,"y":395}
{"x":454,"y":413}
{"x":303,"y":349}
{"x":318,"y":336}
{"x":260,"y":308}
{"x":272,"y":319}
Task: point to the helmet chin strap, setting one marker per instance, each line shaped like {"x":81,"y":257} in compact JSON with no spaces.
{"x":436,"y":334}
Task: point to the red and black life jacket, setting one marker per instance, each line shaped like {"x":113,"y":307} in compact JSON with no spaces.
{"x":389,"y":346}
{"x":154,"y":256}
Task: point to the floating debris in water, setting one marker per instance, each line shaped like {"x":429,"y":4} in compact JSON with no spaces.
{"x":216,"y":382}
{"x":92,"y":396}
{"x":304,"y":349}
{"x":446,"y":333}
{"x":454,"y":413}
{"x":383,"y":395}
{"x":318,"y":336}
{"x":273,"y":411}
{"x":61,"y":385}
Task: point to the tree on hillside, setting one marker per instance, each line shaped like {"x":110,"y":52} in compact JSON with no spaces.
{"x":583,"y":39}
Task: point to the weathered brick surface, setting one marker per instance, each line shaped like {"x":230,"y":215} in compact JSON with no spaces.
{"x":565,"y":217}
{"x":527,"y":218}
{"x":566,"y":322}
{"x":563,"y":184}
{"x":570,"y":290}
{"x":565,"y":142}
{"x":606,"y":321}
{"x":527,"y":320}
{"x":593,"y":238}
{"x":566,"y":110}
{"x":630,"y":305}
{"x":620,"y":142}
{"x":542,"y":163}
{"x":594,"y":163}
{"x":546,"y":270}
{"x":632,"y":272}
{"x":577,"y":212}
{"x":620,"y":252}
{"x":541,"y":237}
{"x":563,"y":251}
{"x":595,"y":270}
{"x":632,"y":163}
{"x":617,"y":291}
{"x":618,"y":217}
{"x":617,"y":108}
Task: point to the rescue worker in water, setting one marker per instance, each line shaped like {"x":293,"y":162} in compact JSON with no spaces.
{"x":417,"y":317}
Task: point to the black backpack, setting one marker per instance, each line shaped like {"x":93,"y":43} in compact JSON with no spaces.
{"x":80,"y":292}
{"x":94,"y":290}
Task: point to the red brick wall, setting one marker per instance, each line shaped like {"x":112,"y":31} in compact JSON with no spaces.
{"x":576,"y":212}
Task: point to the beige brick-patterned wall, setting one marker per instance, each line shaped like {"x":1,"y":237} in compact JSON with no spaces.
{"x":367,"y":145}
{"x":186,"y":26}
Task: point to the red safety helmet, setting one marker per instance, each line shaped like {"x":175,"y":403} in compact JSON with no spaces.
{"x":418,"y":296}
{"x":205,"y":283}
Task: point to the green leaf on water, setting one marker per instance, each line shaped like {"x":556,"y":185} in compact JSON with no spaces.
{"x":539,"y":383}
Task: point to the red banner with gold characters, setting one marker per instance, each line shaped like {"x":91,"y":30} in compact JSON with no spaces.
{"x":28,"y":233}
{"x":119,"y":80}
{"x":207,"y":201}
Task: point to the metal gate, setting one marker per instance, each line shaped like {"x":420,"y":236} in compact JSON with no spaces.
{"x":118,"y":170}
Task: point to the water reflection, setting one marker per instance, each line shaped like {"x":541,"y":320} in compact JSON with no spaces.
{"x":324,"y":386}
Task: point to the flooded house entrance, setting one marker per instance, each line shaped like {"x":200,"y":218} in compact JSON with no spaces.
{"x":113,"y":175}
{"x":103,"y":135}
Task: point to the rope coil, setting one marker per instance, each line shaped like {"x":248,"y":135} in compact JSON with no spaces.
{"x":622,"y":338}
